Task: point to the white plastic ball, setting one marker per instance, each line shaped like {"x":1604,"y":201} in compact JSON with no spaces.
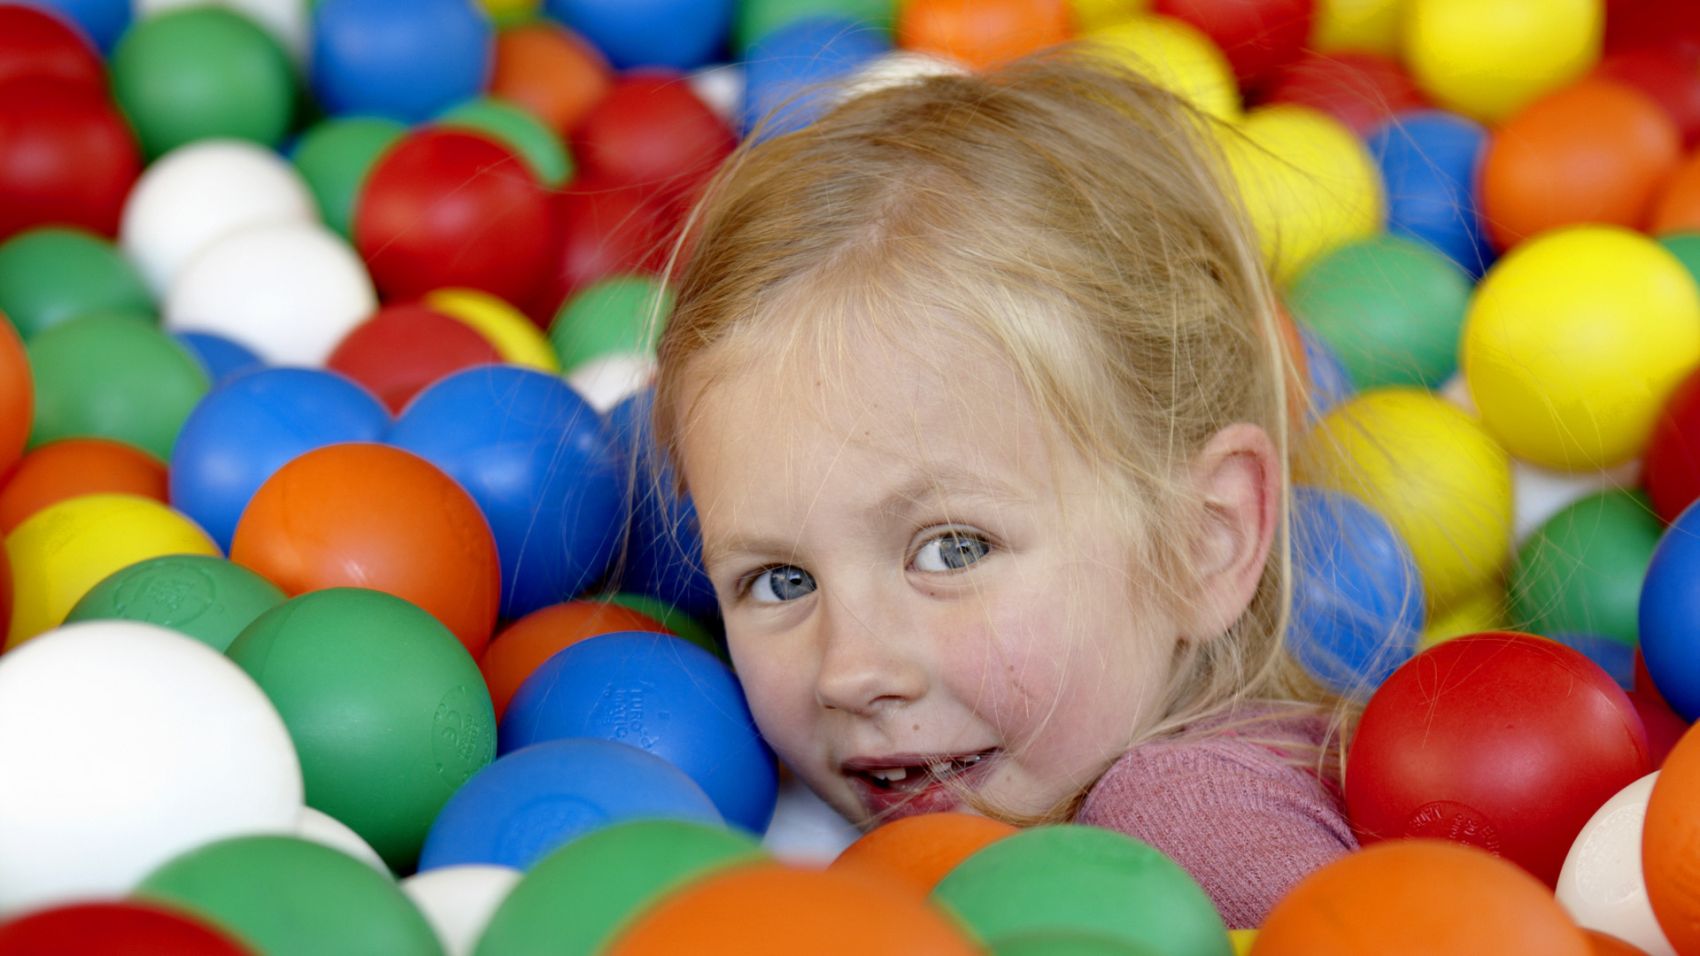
{"x":285,"y":20}
{"x":605,"y":382}
{"x":1601,"y":884}
{"x":721,"y":87}
{"x":123,"y":745}
{"x":200,"y":192}
{"x":458,"y":901}
{"x":289,"y":290}
{"x":323,"y":828}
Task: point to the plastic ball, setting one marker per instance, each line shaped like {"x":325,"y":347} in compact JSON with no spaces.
{"x":34,"y":42}
{"x":17,"y":397}
{"x":618,"y":315}
{"x":601,"y":229}
{"x":652,"y":132}
{"x":1486,"y":609}
{"x":244,"y":431}
{"x":458,"y":901}
{"x":1502,"y":741}
{"x":203,"y":73}
{"x":529,"y":802}
{"x":1327,"y":382}
{"x":1668,"y":609}
{"x":403,"y":59}
{"x":1488,"y":59}
{"x":1601,"y":884}
{"x":67,"y":156}
{"x":1596,"y":151}
{"x":222,"y":358}
{"x":543,"y":150}
{"x":663,"y":555}
{"x":526,"y":644}
{"x":134,"y":929}
{"x":326,"y":830}
{"x":353,"y":908}
{"x":1574,"y":341}
{"x":980,"y":33}
{"x":692,"y":711}
{"x":100,"y":709}
{"x":1174,"y":56}
{"x":1063,"y":943}
{"x":102,"y":21}
{"x":607,"y":381}
{"x":537,"y":460}
{"x":516,"y":337}
{"x":915,"y":853}
{"x":1668,"y":838}
{"x":71,"y":467}
{"x":387,"y":711}
{"x":284,"y":20}
{"x":401,"y":350}
{"x":1391,"y":308}
{"x":1357,"y":600}
{"x":1414,"y":898}
{"x":1670,"y":467}
{"x":1431,"y":169}
{"x":364,"y":515}
{"x":1082,"y":879}
{"x":1309,"y":185}
{"x":1371,"y":26}
{"x":1433,"y":472}
{"x":1604,"y":944}
{"x":673,"y":619}
{"x":200,"y":596}
{"x":449,"y":208}
{"x":1582,"y":570}
{"x":1668,"y":75}
{"x":787,"y":72}
{"x":51,"y":274}
{"x":679,"y":34}
{"x":757,"y":906}
{"x":1677,"y":208}
{"x":1639,"y":24}
{"x":1608,"y":653}
{"x":335,"y":156}
{"x":758,"y":18}
{"x":1258,"y":37}
{"x":200,"y":193}
{"x":1361,"y":90}
{"x":612,"y":874}
{"x":551,"y":71}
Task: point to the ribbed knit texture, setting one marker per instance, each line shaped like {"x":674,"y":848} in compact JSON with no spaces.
{"x":1245,"y":823}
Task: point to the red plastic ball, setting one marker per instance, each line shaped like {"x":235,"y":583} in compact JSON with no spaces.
{"x":114,"y":929}
{"x":1504,"y":741}
{"x":1360,"y":90}
{"x":1669,"y":75}
{"x":67,"y":157}
{"x":651,"y":131}
{"x":601,"y":229}
{"x":1670,"y":467}
{"x":1258,"y":36}
{"x":449,"y":208}
{"x":1643,"y":24}
{"x":36,"y":43}
{"x":401,"y":350}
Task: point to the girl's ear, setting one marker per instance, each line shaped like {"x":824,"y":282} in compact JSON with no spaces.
{"x":1237,"y":479}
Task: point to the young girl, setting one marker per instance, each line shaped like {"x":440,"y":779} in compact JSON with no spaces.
{"x":976,"y":387}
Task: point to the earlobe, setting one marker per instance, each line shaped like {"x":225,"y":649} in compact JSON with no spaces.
{"x":1237,"y":480}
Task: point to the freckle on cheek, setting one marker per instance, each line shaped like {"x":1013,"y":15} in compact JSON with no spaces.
{"x":915,"y":727}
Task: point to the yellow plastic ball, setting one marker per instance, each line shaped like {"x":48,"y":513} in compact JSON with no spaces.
{"x":1574,"y":341}
{"x":1242,"y":940}
{"x":63,"y":550}
{"x":1432,"y":471}
{"x":516,"y":338}
{"x":1371,"y":26}
{"x":1175,"y":56}
{"x":1308,"y":184}
{"x":1096,"y":14}
{"x":1489,"y":58}
{"x":1484,"y":610}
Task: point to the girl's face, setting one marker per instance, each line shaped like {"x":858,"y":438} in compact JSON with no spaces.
{"x":914,"y":586}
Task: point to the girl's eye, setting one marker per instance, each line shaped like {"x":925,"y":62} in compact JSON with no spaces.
{"x":951,"y":551}
{"x":781,"y":584}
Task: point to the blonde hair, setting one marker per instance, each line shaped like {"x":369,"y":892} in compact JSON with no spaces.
{"x":1072,"y":217}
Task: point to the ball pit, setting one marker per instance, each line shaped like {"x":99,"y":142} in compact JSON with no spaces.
{"x":516,"y":338}
{"x":1175,"y":56}
{"x":541,"y":148}
{"x":788,"y":69}
{"x":1259,"y":39}
{"x":1359,"y":89}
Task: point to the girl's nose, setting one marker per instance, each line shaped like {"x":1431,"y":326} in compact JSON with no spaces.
{"x":865,"y":667}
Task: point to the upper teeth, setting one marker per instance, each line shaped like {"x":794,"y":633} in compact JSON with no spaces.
{"x":894,"y":774}
{"x":890,"y":776}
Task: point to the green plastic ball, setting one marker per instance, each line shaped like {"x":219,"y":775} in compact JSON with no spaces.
{"x":113,"y":375}
{"x":1686,"y":247}
{"x":199,"y":73}
{"x":1391,"y":308}
{"x":670,"y":617}
{"x":1084,"y":880}
{"x":544,"y":153}
{"x":609,"y":875}
{"x":1581,"y":571}
{"x":335,"y":156}
{"x":758,"y":18}
{"x":1068,"y":944}
{"x":207,"y":598}
{"x":610,"y":317}
{"x":285,"y":896}
{"x":52,"y":274}
{"x":388,"y":711}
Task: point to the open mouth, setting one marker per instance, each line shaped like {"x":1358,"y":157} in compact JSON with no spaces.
{"x":920,"y":774}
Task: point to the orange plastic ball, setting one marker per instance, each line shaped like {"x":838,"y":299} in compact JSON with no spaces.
{"x":914,"y":853}
{"x":1678,"y":205}
{"x":527,"y":643}
{"x":1604,"y":945}
{"x":1597,"y":151}
{"x":78,"y":466}
{"x":1418,"y":898}
{"x":1670,"y":845}
{"x":551,"y":72}
{"x":771,"y":908}
{"x":372,"y":516}
{"x":17,"y":395}
{"x":983,"y":33}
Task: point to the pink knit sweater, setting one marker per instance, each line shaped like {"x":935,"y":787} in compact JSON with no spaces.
{"x":1244,"y":822}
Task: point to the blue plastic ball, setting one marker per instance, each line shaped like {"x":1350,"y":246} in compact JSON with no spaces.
{"x":538,"y":460}
{"x":527,"y":803}
{"x":662,"y":694}
{"x":1431,"y":167}
{"x":1614,"y":656}
{"x":783,"y":69}
{"x":223,"y":358}
{"x":405,"y":59}
{"x":1670,"y":614}
{"x":102,"y":21}
{"x":246,"y":429}
{"x":1330,"y":384}
{"x":680,"y":34}
{"x":663,"y":551}
{"x":1357,"y":596}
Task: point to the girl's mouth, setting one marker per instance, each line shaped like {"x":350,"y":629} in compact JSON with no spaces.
{"x":902,"y":785}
